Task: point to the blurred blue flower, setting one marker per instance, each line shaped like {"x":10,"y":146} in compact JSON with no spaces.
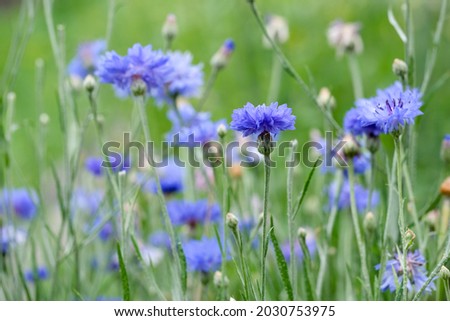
{"x":86,"y":201}
{"x":160,"y":239}
{"x":256,"y":120}
{"x":94,"y":165}
{"x":144,"y":63}
{"x":200,"y":212}
{"x":343,"y":202}
{"x":390,"y":109}
{"x":416,"y":273}
{"x":41,"y":273}
{"x":106,"y":230}
{"x":116,"y":161}
{"x":11,"y":237}
{"x":171,"y":178}
{"x":87,"y":58}
{"x":189,"y":126}
{"x":185,"y":79}
{"x":203,"y":255}
{"x":22,"y":202}
{"x":310,"y":243}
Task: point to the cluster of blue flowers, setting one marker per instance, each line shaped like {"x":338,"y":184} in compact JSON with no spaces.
{"x":387,"y":112}
{"x":165,"y":75}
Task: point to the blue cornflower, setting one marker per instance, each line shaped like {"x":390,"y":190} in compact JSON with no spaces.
{"x":416,"y":273}
{"x":256,"y":120}
{"x":185,"y":79}
{"x":170,"y":176}
{"x":21,"y":201}
{"x":203,"y":255}
{"x":192,"y":213}
{"x":390,"y":109}
{"x":354,"y":125}
{"x":87,"y":59}
{"x":41,"y":273}
{"x":86,"y":201}
{"x":310,"y":243}
{"x":140,"y":63}
{"x":343,"y":201}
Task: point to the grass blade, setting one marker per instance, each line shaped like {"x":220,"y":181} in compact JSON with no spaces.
{"x":305,"y":188}
{"x":281,"y":262}
{"x":124,"y":275}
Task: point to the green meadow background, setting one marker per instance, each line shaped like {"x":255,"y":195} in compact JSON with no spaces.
{"x":203,"y":25}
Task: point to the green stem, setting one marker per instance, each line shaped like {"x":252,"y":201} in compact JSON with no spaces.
{"x":287,"y":66}
{"x":359,"y":238}
{"x":264,"y":225}
{"x":110,"y":20}
{"x":225,"y":210}
{"x":275,"y":79}
{"x":401,"y":215}
{"x":356,"y":77}
{"x":290,"y":217}
{"x":140,"y":105}
{"x":209,"y":85}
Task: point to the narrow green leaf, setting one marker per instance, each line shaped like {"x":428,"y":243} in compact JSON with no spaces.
{"x":124,"y":276}
{"x":282,"y":265}
{"x":183,"y":267}
{"x":305,"y":188}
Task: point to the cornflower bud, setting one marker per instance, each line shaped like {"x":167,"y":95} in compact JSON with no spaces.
{"x":445,"y":150}
{"x":89,"y":83}
{"x":223,"y":55}
{"x":325,"y":99}
{"x":170,"y":28}
{"x":400,"y":68}
{"x":278,"y":30}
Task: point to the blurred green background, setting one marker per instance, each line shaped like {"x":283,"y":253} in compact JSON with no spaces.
{"x":203,"y":25}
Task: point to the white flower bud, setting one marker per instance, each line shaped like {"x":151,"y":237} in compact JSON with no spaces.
{"x":222,"y":130}
{"x":89,"y":83}
{"x":232,"y":221}
{"x":345,"y":37}
{"x":139,"y":87}
{"x":370,"y":223}
{"x":170,"y":27}
{"x":400,"y":68}
{"x":325,"y":99}
{"x":278,"y":30}
{"x":219,"y":280}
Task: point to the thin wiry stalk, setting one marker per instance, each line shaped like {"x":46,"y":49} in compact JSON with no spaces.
{"x":356,"y":77}
{"x":140,"y":105}
{"x":264,"y":226}
{"x":359,"y":238}
{"x":401,"y":214}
